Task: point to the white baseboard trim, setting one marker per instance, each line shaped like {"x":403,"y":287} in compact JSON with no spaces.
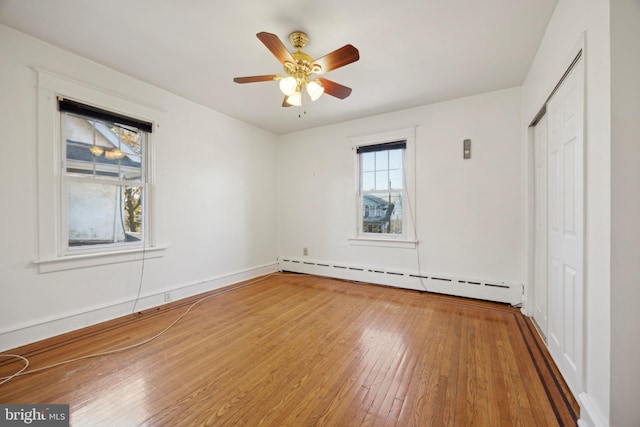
{"x":26,"y":333}
{"x":590,"y":416}
{"x":510,"y":293}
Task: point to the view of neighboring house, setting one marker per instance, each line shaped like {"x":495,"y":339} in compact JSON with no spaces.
{"x":99,"y":157}
{"x":380,"y":215}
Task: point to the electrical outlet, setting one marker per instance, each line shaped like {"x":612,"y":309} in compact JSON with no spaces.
{"x":305,"y":251}
{"x":167,"y":297}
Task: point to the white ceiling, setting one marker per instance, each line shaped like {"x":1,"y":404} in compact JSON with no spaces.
{"x":412,"y":52}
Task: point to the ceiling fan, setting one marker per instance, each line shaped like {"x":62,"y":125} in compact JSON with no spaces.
{"x":299,"y":67}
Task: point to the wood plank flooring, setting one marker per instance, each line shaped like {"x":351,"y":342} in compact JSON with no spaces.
{"x":295,"y":350}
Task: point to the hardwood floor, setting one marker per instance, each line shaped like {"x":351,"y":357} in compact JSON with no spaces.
{"x":294,"y":350}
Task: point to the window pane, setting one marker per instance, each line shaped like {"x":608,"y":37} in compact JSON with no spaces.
{"x":133,"y":203}
{"x":79,"y":158}
{"x":382,"y":180}
{"x":395,"y":220}
{"x":382,"y":160}
{"x":381,"y":186}
{"x":129,"y":138}
{"x":101,"y":213}
{"x":382,"y":214}
{"x":79,"y":130}
{"x":102,"y":149}
{"x":79,"y":141}
{"x":368,"y":181}
{"x":368,"y":161}
{"x":395,"y":176}
{"x":395,"y":159}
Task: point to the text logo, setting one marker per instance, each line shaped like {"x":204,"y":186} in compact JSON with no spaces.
{"x":34,"y":415}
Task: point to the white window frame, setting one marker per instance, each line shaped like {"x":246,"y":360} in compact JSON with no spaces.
{"x":53,"y":254}
{"x":408,"y":238}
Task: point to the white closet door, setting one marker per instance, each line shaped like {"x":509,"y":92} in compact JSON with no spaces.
{"x":565,"y":112}
{"x":540,"y":224}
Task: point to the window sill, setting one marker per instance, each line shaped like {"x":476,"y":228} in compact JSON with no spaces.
{"x":383,"y":243}
{"x":71,"y":262}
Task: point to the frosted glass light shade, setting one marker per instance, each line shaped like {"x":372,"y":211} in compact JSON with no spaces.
{"x":295,"y":99}
{"x":315,"y":90}
{"x":96,"y":151}
{"x":114,"y":154}
{"x":288,"y":85}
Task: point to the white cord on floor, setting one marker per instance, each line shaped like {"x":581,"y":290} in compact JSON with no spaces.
{"x":17,"y":356}
{"x":117,"y":350}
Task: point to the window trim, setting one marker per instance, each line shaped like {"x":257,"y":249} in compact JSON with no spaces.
{"x":360,"y":143}
{"x":51,"y":256}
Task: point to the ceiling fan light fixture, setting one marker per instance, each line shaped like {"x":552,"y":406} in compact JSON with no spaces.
{"x":295,"y":99}
{"x":114,"y":154}
{"x":288,"y":85}
{"x":315,"y":89}
{"x":96,"y":151}
{"x":299,"y":67}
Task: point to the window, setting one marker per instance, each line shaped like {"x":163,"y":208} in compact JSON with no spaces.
{"x":384,"y":188}
{"x":381,"y":187}
{"x":95,"y":176}
{"x":104,"y":177}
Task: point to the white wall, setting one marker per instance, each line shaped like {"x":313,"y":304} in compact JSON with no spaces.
{"x":216,"y":187}
{"x":571,"y":20}
{"x":625,"y":212}
{"x":469,"y":212}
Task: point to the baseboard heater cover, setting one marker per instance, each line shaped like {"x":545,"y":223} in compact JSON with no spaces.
{"x":509,"y":293}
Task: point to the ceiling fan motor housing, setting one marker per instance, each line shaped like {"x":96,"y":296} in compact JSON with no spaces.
{"x":304,"y":63}
{"x":298,"y":39}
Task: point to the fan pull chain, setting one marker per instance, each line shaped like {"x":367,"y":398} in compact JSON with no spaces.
{"x":301,"y":110}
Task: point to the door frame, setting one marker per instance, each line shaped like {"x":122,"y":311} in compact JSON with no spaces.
{"x":543,"y":329}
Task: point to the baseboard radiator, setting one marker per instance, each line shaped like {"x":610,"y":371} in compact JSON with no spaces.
{"x":509,"y":293}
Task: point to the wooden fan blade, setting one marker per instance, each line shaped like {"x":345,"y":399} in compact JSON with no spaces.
{"x":255,"y":79}
{"x":284,"y":102}
{"x":275,"y":45}
{"x":336,"y":59}
{"x":335,"y":89}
